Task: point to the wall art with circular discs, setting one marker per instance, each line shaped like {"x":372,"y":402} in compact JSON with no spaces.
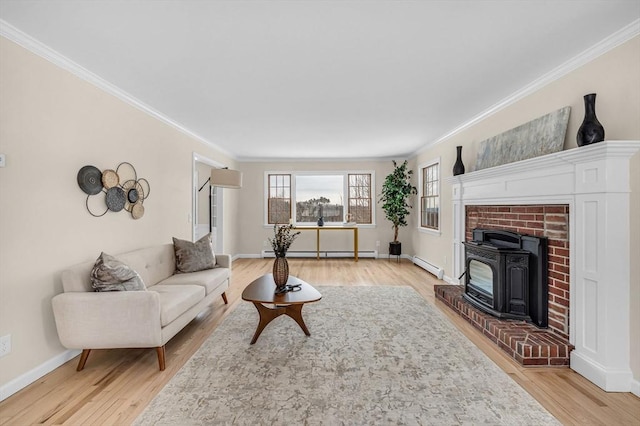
{"x":114,"y":190}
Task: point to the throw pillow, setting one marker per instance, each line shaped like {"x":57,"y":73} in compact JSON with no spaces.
{"x":110,"y":274}
{"x":193,"y":257}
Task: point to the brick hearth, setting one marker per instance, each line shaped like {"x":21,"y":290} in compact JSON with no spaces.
{"x":524,"y":342}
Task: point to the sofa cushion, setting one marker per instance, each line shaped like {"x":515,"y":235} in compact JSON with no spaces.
{"x":154,"y":264}
{"x":111,"y":274}
{"x":210,"y":279}
{"x":176,"y":300}
{"x":193,"y":257}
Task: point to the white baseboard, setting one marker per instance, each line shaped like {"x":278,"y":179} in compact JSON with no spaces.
{"x":429,"y":267}
{"x":607,"y":379}
{"x":393,"y":256}
{"x":31,"y":376}
{"x":323,"y":254}
{"x":450,"y":280}
{"x":363,"y":254}
{"x":245,"y":256}
{"x":372,"y":254}
{"x":635,"y":387}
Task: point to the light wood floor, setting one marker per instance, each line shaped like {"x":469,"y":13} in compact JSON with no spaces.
{"x":117,"y":384}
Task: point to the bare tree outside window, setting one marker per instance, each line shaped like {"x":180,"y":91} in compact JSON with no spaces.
{"x":360,"y":197}
{"x":279,"y":202}
{"x":430,"y":197}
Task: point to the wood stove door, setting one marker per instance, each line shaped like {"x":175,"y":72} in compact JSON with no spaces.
{"x":517,"y":283}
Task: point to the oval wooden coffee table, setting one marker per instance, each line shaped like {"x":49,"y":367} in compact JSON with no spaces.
{"x":262,"y":291}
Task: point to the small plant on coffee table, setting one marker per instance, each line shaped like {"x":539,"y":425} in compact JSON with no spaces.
{"x":282,"y":240}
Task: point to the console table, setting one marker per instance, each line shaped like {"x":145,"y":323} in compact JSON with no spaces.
{"x":332,"y":228}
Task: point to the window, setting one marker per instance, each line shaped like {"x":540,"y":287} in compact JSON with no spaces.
{"x":305,"y":196}
{"x":279,"y":198}
{"x":360,"y":197}
{"x":430,"y":196}
{"x":319,"y":195}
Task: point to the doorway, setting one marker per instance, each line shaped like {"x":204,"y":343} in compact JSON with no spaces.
{"x":207,"y":203}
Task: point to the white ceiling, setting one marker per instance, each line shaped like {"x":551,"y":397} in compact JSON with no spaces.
{"x":320,"y":79}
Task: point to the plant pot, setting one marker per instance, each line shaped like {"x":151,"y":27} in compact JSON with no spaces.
{"x":395,"y":248}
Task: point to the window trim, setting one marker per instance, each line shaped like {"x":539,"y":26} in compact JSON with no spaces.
{"x":345,"y":188}
{"x":265,"y":196}
{"x":294,"y":200}
{"x":372,"y":197}
{"x":421,"y":166}
{"x":268,"y":197}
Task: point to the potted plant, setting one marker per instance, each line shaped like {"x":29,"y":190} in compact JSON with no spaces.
{"x":396,"y":191}
{"x":282,"y":240}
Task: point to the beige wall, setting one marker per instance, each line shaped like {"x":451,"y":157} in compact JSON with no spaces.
{"x":614,"y":76}
{"x":51,"y":124}
{"x":253,"y":232}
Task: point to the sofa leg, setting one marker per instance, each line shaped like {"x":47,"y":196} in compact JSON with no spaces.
{"x":83,"y":359}
{"x":160,"y":352}
{"x":224,"y":297}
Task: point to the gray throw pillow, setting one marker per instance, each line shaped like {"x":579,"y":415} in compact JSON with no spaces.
{"x":110,"y":274}
{"x":193,"y":257}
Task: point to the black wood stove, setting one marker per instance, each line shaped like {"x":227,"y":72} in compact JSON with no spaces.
{"x":506,"y":275}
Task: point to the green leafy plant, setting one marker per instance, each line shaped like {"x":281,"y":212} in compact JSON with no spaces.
{"x":396,"y":191}
{"x":283,"y":238}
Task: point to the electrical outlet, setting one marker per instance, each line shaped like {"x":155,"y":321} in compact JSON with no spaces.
{"x":5,"y":345}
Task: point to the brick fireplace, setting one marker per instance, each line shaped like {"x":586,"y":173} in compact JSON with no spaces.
{"x":527,"y":344}
{"x":551,"y":221}
{"x":580,"y":200}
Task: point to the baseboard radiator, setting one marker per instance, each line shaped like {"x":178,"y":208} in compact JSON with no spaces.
{"x":429,"y":267}
{"x":323,"y":253}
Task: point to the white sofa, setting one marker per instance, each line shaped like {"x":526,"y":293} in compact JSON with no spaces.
{"x":87,"y":320}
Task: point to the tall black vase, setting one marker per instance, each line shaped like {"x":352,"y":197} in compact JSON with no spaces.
{"x":591,"y":131}
{"x":458,"y":167}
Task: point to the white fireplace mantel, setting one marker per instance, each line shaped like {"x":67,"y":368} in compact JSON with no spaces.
{"x":594,"y":181}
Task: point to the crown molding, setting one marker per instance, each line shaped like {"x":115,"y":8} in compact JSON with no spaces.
{"x":35,"y":46}
{"x":614,"y":40}
{"x":321,"y":159}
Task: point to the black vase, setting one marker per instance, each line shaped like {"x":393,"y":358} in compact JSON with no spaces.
{"x":591,"y":131}
{"x":458,"y":167}
{"x":321,"y":221}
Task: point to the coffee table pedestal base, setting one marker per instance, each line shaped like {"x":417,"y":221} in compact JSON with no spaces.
{"x":269,"y":314}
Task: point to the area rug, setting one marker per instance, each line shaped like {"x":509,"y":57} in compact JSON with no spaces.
{"x":376,"y":355}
